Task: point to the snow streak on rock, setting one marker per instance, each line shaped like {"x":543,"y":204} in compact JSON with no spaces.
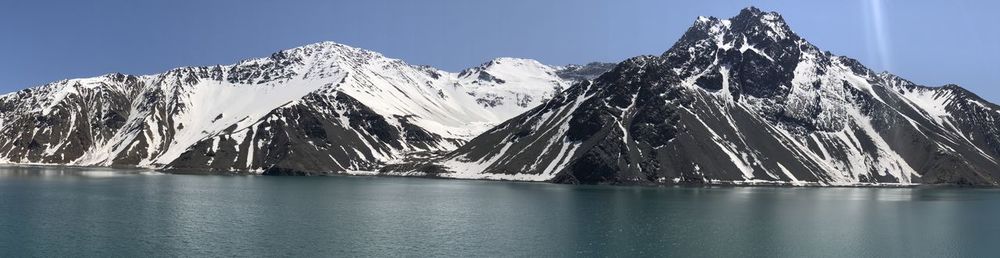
{"x":744,"y":101}
{"x":324,"y":107}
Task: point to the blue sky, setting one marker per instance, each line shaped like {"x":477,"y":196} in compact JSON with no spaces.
{"x":929,"y":42}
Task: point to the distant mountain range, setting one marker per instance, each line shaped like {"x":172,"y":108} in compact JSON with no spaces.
{"x":735,"y":101}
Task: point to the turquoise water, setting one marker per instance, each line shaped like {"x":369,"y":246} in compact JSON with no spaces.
{"x":91,"y":212}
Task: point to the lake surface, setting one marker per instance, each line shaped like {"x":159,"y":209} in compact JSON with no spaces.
{"x":102,"y":212}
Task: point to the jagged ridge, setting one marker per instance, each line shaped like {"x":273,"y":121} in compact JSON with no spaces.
{"x":326,"y":107}
{"x":742,"y":101}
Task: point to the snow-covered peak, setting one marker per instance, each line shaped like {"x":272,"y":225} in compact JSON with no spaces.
{"x":500,"y":70}
{"x":754,"y":12}
{"x":327,"y":45}
{"x":508,"y":86}
{"x":752,"y":19}
{"x":316,"y":61}
{"x":328,"y":49}
{"x":162,"y":115}
{"x":513,"y":62}
{"x":752,"y":29}
{"x":503,"y":67}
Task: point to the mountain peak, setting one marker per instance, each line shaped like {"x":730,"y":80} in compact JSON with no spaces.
{"x":325,"y":45}
{"x":750,"y":11}
{"x":752,"y":29}
{"x":749,"y":89}
{"x":511,"y":61}
{"x":753,"y":20}
{"x":502,"y":65}
{"x":751,"y":23}
{"x":328,"y":50}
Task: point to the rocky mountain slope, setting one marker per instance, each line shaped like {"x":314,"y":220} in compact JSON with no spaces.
{"x":735,"y":101}
{"x":742,"y":101}
{"x":319,"y":108}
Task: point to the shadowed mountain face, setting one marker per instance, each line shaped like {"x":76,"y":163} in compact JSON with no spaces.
{"x":743,"y":101}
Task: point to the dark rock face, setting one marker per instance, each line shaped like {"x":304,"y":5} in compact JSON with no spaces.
{"x":322,"y":134}
{"x":745,"y":101}
{"x":588,"y":71}
{"x":70,"y":127}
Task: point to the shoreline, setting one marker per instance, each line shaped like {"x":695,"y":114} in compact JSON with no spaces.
{"x":415,"y":174}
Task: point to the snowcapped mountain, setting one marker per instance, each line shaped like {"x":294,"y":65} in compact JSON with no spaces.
{"x":319,"y":108}
{"x":735,"y":101}
{"x":742,"y":101}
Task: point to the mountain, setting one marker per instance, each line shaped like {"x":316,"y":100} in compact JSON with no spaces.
{"x":741,"y":101}
{"x":735,"y":101}
{"x":319,"y":108}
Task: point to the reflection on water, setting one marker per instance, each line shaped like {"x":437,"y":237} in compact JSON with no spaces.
{"x":61,"y":171}
{"x":69,"y":212}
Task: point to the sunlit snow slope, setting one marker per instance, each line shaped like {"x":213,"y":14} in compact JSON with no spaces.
{"x":319,"y":108}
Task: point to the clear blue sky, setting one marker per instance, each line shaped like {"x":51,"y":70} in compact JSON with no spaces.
{"x":929,"y":42}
